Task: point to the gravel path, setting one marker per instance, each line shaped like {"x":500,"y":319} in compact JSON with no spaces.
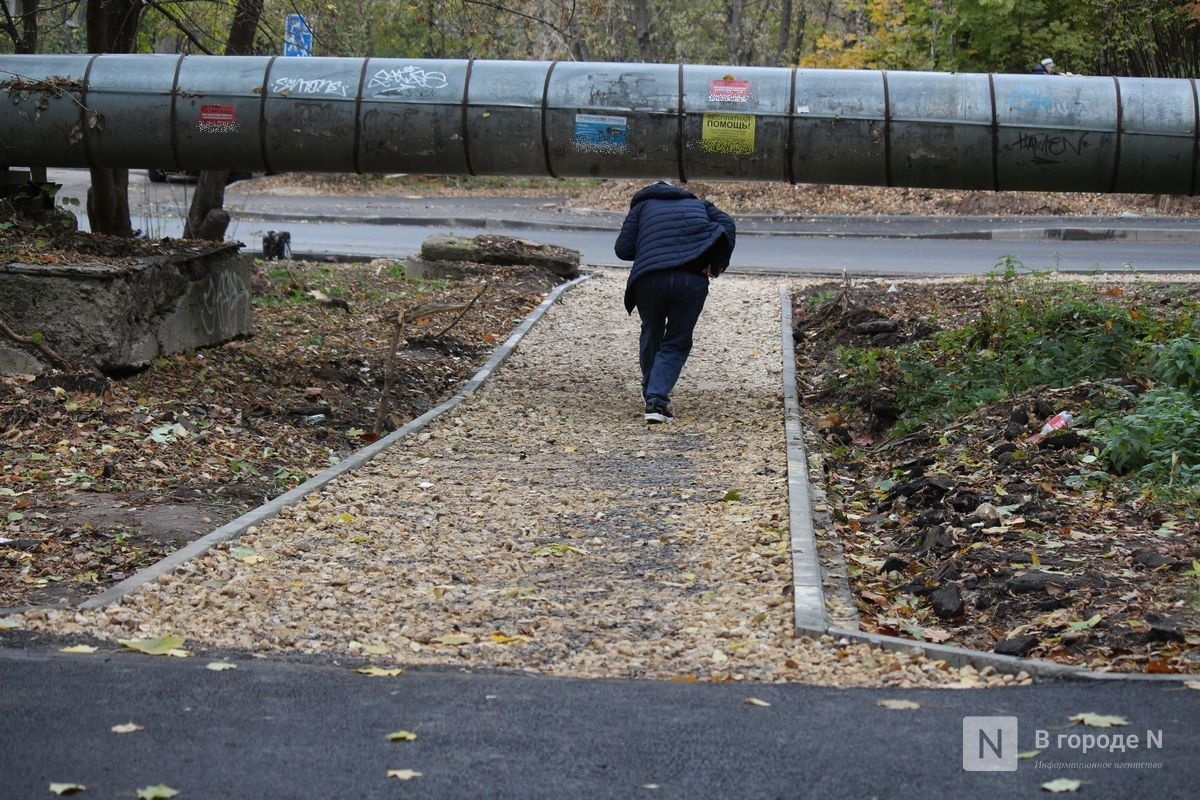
{"x":542,"y":525}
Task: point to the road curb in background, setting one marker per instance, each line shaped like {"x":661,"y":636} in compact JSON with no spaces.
{"x":809,"y":594}
{"x":604,"y":221}
{"x":271,"y":508}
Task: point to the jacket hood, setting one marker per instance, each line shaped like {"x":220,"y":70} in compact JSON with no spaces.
{"x":660,"y":191}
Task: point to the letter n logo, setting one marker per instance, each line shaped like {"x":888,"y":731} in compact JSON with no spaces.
{"x":989,"y":744}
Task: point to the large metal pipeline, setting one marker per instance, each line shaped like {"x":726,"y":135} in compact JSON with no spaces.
{"x":970,"y":131}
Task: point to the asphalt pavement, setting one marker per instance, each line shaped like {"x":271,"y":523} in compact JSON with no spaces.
{"x":271,"y":729}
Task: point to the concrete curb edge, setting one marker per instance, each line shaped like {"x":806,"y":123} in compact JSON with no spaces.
{"x":808,"y":596}
{"x":271,"y":508}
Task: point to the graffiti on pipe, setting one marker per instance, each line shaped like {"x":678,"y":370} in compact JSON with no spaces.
{"x":1034,"y":100}
{"x":632,"y":91}
{"x":318,"y":86}
{"x":1050,"y":148}
{"x":223,"y":304}
{"x":406,"y":82}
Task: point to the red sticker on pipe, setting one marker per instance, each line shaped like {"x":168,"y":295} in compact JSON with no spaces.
{"x":218,"y":119}
{"x":728,"y":90}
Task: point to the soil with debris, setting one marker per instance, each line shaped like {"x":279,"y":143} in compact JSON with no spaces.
{"x":745,"y":197}
{"x":982,"y":533}
{"x":100,"y":477}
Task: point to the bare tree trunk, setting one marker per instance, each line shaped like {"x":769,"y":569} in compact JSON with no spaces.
{"x":785,"y":33}
{"x":108,"y":202}
{"x":733,"y":18}
{"x":207,"y":218}
{"x":29,"y":26}
{"x":800,"y":26}
{"x":642,"y":31}
{"x":20,"y":23}
{"x":579,"y":45}
{"x":111,"y":28}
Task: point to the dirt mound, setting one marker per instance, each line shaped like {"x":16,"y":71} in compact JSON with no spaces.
{"x":740,"y":198}
{"x":983,"y":533}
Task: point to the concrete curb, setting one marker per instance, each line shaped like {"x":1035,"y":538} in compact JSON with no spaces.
{"x":236,"y":527}
{"x":809,"y":594}
{"x":1086,"y":234}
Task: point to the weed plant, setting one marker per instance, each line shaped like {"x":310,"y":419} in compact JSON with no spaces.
{"x":1037,"y":331}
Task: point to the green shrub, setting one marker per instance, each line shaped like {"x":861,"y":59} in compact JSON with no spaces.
{"x":1177,"y":363}
{"x":1158,"y":439}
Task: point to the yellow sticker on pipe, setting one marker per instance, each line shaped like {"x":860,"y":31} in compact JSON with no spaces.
{"x":728,"y":133}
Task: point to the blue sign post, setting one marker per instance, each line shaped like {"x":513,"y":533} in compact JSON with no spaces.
{"x":297,"y":36}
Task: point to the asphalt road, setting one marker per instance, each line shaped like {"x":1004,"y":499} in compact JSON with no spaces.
{"x":857,"y":245}
{"x":289,"y":730}
{"x":777,"y":254}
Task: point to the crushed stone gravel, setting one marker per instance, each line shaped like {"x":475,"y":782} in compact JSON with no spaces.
{"x":543,"y":526}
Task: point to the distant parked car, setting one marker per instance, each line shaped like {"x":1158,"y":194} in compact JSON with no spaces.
{"x":164,"y":175}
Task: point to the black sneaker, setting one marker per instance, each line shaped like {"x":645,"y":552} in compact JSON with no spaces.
{"x":656,"y":414}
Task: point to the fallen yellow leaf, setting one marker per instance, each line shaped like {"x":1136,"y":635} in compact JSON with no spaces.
{"x":898,"y":705}
{"x":66,"y":788}
{"x":504,"y":638}
{"x":78,"y":648}
{"x":1062,"y":785}
{"x":1098,"y":720}
{"x":403,"y":774}
{"x":128,"y":727}
{"x":456,"y":639}
{"x":401,"y":736}
{"x":754,"y":701}
{"x":162,"y":646}
{"x":220,"y":666}
{"x":159,"y":792}
{"x":380,"y":672}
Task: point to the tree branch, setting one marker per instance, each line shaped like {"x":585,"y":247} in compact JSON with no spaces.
{"x":178,"y":23}
{"x":521,"y":14}
{"x":39,"y":343}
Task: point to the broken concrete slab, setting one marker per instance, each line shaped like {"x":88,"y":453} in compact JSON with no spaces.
{"x":501,"y":251}
{"x":119,"y":317}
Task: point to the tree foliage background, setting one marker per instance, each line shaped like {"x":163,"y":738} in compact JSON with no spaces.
{"x":1124,"y":37}
{"x":1154,"y":38}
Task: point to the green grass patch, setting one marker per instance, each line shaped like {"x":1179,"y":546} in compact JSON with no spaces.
{"x":1140,"y":349}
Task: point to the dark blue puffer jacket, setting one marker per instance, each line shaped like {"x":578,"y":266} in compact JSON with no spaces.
{"x":668,"y":227}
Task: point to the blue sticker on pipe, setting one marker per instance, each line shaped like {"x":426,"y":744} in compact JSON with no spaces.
{"x":601,"y":133}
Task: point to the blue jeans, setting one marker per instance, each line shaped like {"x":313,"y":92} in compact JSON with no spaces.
{"x":669,"y":303}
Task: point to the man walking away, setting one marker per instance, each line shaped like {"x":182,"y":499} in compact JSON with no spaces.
{"x":677,"y":242}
